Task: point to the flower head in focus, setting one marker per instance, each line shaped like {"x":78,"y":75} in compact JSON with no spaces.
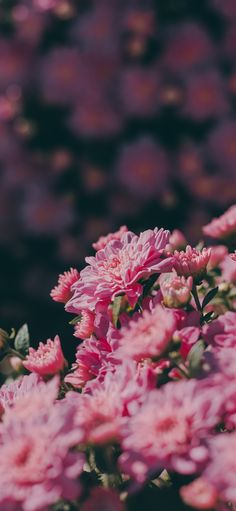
{"x":48,"y":359}
{"x":118,"y":268}
{"x":191,"y":262}
{"x":176,"y":291}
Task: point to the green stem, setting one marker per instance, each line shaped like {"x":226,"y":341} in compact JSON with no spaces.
{"x":196,"y":298}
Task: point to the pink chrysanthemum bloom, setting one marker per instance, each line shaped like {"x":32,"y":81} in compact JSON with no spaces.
{"x":221,"y":471}
{"x":37,"y":466}
{"x":223,"y":227}
{"x":118,"y":268}
{"x":103,"y":240}
{"x":169,"y":430}
{"x":85,"y":326}
{"x":176,"y":291}
{"x":191,"y":262}
{"x":199,"y":494}
{"x":11,"y":392}
{"x":148,"y":336}
{"x":221,"y":332}
{"x":48,"y":359}
{"x":91,"y":356}
{"x":108,"y":500}
{"x":62,"y":292}
{"x":99,"y":415}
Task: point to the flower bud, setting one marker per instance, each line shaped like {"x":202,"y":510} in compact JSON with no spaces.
{"x":176,"y":291}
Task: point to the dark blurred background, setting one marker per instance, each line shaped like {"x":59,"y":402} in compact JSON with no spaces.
{"x":111,"y":112}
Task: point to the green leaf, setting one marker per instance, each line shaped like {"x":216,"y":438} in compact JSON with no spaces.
{"x":116,"y":309}
{"x":21,"y":343}
{"x":195,"y":356}
{"x":212,"y":293}
{"x":149,"y":284}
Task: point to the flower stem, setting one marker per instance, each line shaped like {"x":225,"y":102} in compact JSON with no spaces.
{"x":196,"y":298}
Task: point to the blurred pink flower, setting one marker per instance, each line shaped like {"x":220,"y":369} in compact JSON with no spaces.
{"x":191,"y":262}
{"x":233,"y":256}
{"x":222,"y":146}
{"x":37,"y":468}
{"x":48,"y":359}
{"x":140,"y":91}
{"x":96,"y":118}
{"x":228,"y":268}
{"x":187,"y":46}
{"x":108,"y":500}
{"x":177,"y":241}
{"x":221,"y":471}
{"x":222,"y":331}
{"x":85,"y":326}
{"x":223,"y":226}
{"x":148,"y":336}
{"x":199,"y":494}
{"x":60,"y":75}
{"x":62,"y":292}
{"x":205,"y":96}
{"x":97,"y":30}
{"x":169,"y":430}
{"x":176,"y":291}
{"x":103,"y":240}
{"x":143,"y":168}
{"x":188,"y":336}
{"x":117,"y":268}
{"x":91,"y":357}
{"x":218,"y":254}
{"x":227,"y":8}
{"x":99,"y":415}
{"x":11,"y":392}
{"x":15,"y":59}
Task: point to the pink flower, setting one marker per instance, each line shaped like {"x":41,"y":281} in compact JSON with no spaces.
{"x":222,"y":331}
{"x":149,"y":336}
{"x":37,"y":466}
{"x":228,"y":267}
{"x":223,"y":226}
{"x":91,"y":356}
{"x":60,"y":74}
{"x":62,"y":292}
{"x":233,"y":256}
{"x":176,"y":291}
{"x":116,"y":269}
{"x":188,"y":336}
{"x":227,"y":8}
{"x":192,"y":262}
{"x":85,"y":326}
{"x":103,"y":240}
{"x":199,"y":494}
{"x":95,"y":117}
{"x":221,"y":471}
{"x":140,"y":91}
{"x":218,"y":254}
{"x":169,"y":430}
{"x":108,"y":500}
{"x":187,"y":46}
{"x":205,"y":96}
{"x":11,"y":392}
{"x":48,"y":359}
{"x":99,"y":415}
{"x":177,"y":241}
{"x":143,"y":168}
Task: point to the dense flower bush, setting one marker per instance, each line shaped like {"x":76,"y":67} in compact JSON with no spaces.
{"x":146,"y":414}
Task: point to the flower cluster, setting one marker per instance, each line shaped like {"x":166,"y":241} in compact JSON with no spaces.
{"x":148,"y":408}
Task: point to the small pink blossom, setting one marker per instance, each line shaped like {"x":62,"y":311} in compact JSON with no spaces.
{"x":228,"y":268}
{"x":62,"y":292}
{"x":177,"y":241}
{"x":176,"y":291}
{"x":191,"y":262}
{"x":205,"y":96}
{"x":108,"y":500}
{"x":118,"y":268}
{"x":149,"y":335}
{"x":11,"y":392}
{"x":199,"y":494}
{"x":223,"y":226}
{"x":48,"y":359}
{"x":85,"y":326}
{"x":91,"y":356}
{"x":169,"y":430}
{"x":103,"y":240}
